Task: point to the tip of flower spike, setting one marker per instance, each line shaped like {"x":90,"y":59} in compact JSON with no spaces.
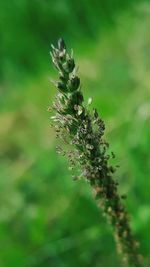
{"x":61,"y":44}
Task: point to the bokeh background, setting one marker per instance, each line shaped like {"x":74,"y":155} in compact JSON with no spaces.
{"x":46,"y":219}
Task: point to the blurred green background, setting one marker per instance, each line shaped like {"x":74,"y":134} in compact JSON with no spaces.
{"x":46,"y":219}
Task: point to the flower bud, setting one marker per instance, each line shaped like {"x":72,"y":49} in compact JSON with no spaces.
{"x":61,"y":44}
{"x":74,"y":83}
{"x":69,"y":65}
{"x":62,"y":87}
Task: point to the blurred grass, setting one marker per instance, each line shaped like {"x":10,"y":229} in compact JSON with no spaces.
{"x":46,"y":219}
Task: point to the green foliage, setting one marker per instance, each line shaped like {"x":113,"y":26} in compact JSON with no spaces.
{"x":43,"y":220}
{"x":26,"y":28}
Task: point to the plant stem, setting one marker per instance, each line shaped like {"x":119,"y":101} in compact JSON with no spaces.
{"x":83,"y":131}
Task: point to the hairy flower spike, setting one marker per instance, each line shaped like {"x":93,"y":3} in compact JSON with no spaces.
{"x":83,"y":131}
